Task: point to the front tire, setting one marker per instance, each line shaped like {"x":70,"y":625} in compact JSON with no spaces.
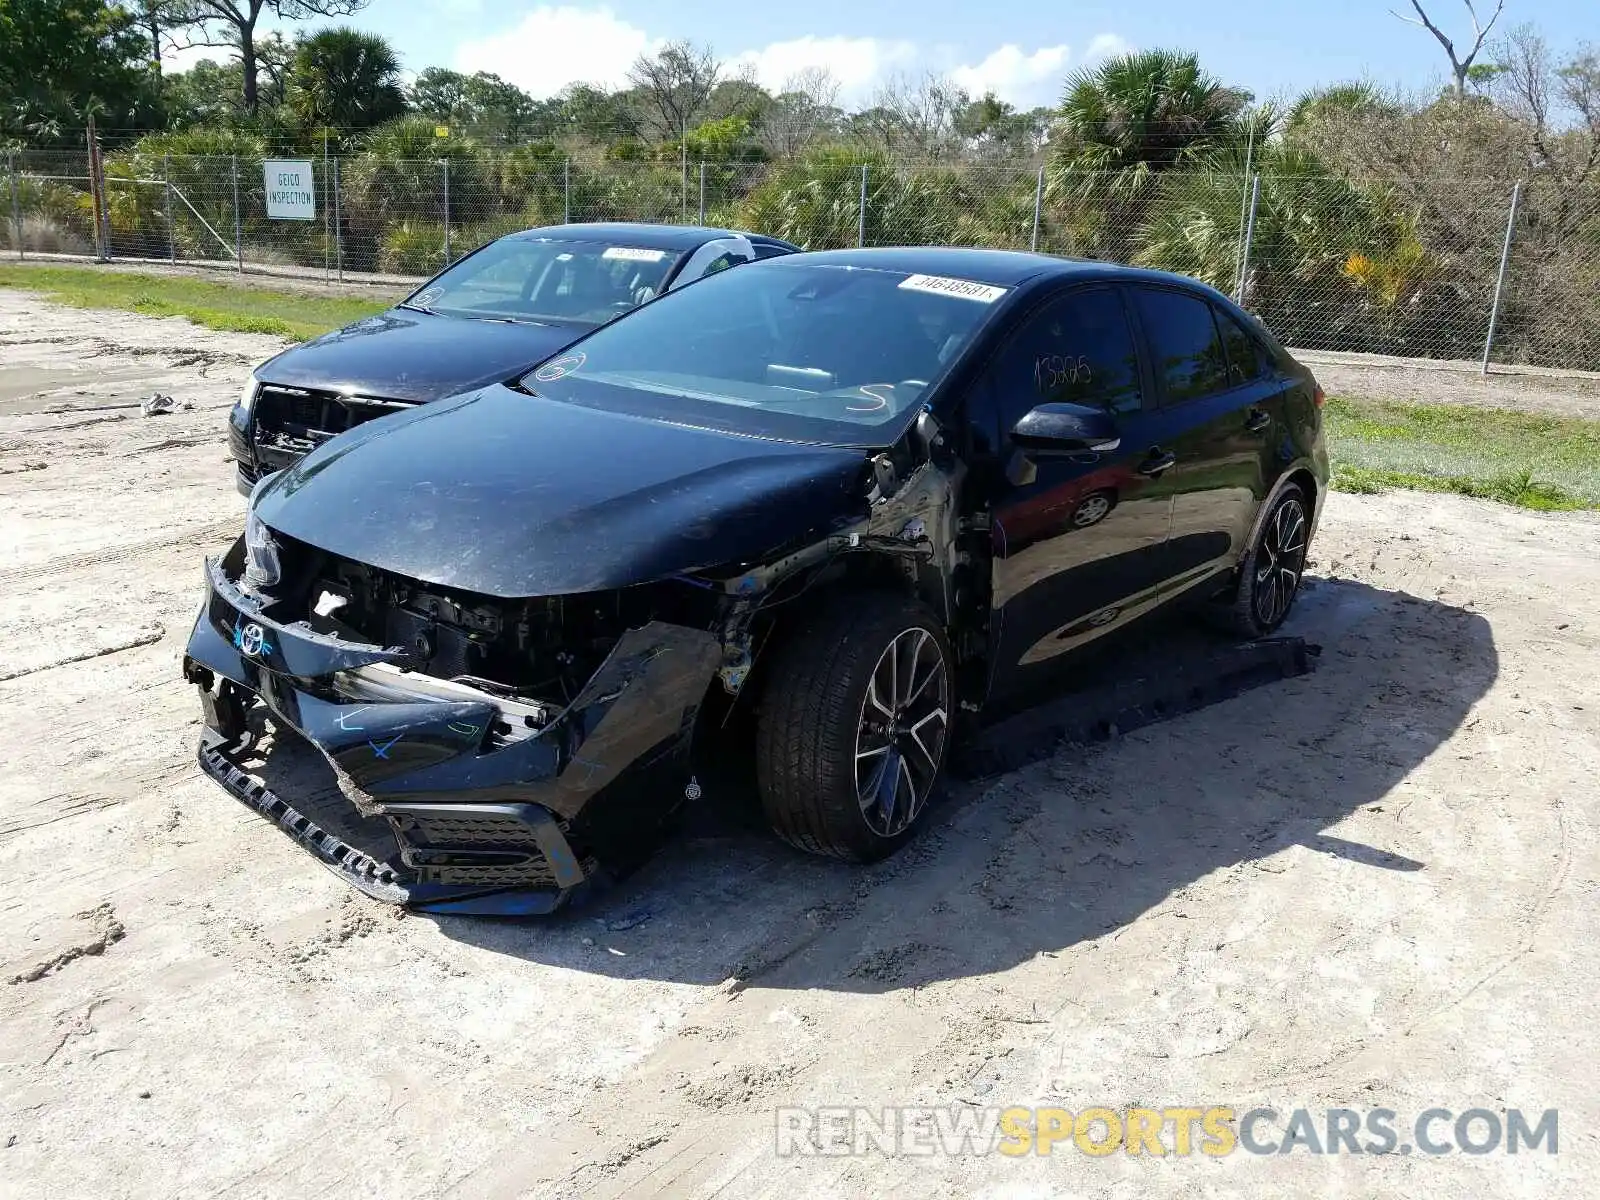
{"x":853,"y":727}
{"x":1269,"y":578}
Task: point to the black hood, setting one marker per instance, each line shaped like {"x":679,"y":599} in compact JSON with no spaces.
{"x":507,"y":494}
{"x":407,"y":355}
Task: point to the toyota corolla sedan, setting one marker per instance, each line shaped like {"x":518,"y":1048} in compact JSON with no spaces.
{"x":502,"y":308}
{"x":845,"y":501}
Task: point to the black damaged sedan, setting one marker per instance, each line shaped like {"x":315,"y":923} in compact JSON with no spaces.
{"x":833,"y":506}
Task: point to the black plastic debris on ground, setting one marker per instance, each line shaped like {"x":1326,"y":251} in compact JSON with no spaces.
{"x":1168,"y":688}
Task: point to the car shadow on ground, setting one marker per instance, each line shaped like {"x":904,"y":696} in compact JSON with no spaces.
{"x":1049,"y":857}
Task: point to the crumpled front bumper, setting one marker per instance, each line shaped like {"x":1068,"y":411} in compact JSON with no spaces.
{"x":484,"y":818}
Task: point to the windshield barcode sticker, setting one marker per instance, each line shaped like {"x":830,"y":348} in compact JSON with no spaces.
{"x":633,"y":254}
{"x":983,"y":293}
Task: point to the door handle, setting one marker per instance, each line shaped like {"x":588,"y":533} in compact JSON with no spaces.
{"x":1257,"y":420}
{"x":1158,"y":461}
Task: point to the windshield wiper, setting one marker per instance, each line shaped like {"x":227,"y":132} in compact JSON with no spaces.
{"x":421,"y":308}
{"x":509,"y":320}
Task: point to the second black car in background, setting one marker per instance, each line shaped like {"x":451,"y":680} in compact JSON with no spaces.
{"x":501,"y":309}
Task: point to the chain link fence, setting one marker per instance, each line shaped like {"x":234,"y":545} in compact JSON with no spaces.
{"x":1494,"y":274}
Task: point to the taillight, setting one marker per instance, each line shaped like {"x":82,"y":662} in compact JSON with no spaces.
{"x":1319,"y":397}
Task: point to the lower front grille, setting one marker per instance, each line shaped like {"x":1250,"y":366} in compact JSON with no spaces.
{"x":481,"y":846}
{"x":472,"y":831}
{"x":533,"y":874}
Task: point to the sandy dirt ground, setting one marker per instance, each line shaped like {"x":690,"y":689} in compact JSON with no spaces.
{"x":1373,"y":886}
{"x":1556,"y":393}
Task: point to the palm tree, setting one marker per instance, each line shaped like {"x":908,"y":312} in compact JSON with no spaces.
{"x":1132,"y":116}
{"x":1122,"y":124}
{"x":345,"y":79}
{"x":1336,"y":100}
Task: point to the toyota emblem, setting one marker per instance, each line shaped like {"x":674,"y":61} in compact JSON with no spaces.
{"x":252,"y":640}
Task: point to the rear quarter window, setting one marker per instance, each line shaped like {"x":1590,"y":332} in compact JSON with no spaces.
{"x":1248,"y":360}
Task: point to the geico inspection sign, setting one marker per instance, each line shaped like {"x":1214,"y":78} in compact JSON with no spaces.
{"x":291,"y":191}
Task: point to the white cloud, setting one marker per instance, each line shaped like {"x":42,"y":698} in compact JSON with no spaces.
{"x":553,"y":47}
{"x":859,"y":64}
{"x":1105,"y":45}
{"x":1029,"y":80}
{"x":1020,"y":78}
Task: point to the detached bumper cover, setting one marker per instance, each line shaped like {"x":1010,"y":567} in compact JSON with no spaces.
{"x":483,"y":820}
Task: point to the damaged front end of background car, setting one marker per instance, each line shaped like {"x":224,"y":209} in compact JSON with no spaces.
{"x":521,"y":748}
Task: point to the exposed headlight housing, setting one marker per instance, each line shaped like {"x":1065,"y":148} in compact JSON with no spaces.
{"x":246,"y":403}
{"x":262,"y":568}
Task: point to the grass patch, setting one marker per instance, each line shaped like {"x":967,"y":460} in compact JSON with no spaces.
{"x":1531,"y":460}
{"x":293,"y":315}
{"x":1520,"y":489}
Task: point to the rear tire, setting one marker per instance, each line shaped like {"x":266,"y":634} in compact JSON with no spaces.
{"x":853,"y":727}
{"x":1269,"y":578}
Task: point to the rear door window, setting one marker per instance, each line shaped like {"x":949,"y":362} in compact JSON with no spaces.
{"x":1185,"y":346}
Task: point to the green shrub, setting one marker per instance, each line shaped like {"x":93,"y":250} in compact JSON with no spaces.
{"x":815,"y":201}
{"x":411,"y":248}
{"x":530,"y":184}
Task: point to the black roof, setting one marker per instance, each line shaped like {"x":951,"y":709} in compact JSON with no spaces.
{"x":643,"y":235}
{"x":1002,"y":268}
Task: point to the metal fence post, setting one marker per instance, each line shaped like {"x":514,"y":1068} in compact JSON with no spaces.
{"x":327,"y":231}
{"x":566,"y":192}
{"x":1500,"y":280}
{"x":702,"y":191}
{"x":1038,"y":208}
{"x":861,"y":210}
{"x":1249,"y":240}
{"x":445,"y":162}
{"x":166,"y":179}
{"x":338,"y":223}
{"x":1244,"y":190}
{"x":97,"y":192}
{"x":238,"y":219}
{"x":16,"y":202}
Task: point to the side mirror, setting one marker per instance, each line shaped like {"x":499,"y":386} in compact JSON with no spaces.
{"x":1058,"y":430}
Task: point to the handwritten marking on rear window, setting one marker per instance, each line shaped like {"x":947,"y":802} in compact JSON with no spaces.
{"x":633,"y":254}
{"x":942,"y":285}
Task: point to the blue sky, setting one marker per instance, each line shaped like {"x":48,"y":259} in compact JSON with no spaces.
{"x":1020,"y":48}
